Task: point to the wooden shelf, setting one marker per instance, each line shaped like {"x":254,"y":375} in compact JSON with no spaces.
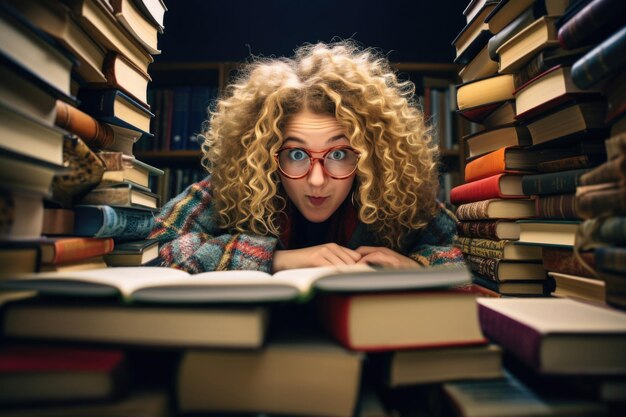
{"x":169,"y":156}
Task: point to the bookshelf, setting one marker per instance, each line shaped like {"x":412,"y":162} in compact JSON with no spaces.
{"x":172,"y":78}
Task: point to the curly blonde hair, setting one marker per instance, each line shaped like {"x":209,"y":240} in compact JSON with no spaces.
{"x":396,"y":180}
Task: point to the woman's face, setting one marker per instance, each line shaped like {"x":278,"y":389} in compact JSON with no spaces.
{"x":316,"y":195}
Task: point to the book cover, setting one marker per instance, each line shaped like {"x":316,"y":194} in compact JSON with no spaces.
{"x":558,"y":206}
{"x":564,"y":261}
{"x":489,"y":229}
{"x":500,"y":186}
{"x":500,"y":270}
{"x":496,"y":209}
{"x":593,"y":23}
{"x":485,"y":91}
{"x":498,"y":249}
{"x":563,"y":182}
{"x":507,"y":159}
{"x":557,"y":336}
{"x":106,"y":221}
{"x":69,"y":249}
{"x":121,"y":195}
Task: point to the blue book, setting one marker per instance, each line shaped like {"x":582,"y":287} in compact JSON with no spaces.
{"x":107,"y":221}
{"x":602,"y":62}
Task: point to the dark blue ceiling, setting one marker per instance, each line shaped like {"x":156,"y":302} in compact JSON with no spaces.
{"x":217,"y":30}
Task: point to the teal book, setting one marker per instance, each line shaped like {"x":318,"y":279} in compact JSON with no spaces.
{"x":560,"y":182}
{"x":107,"y":221}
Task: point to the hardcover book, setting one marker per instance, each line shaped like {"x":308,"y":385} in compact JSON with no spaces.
{"x":496,"y":209}
{"x":557,"y":336}
{"x":613,"y":170}
{"x":427,"y":366}
{"x":546,"y":91}
{"x":558,"y":206}
{"x":143,"y":30}
{"x":508,"y":159}
{"x":573,"y":286}
{"x":564,"y":261}
{"x":489,"y":140}
{"x":115,"y":107}
{"x":99,"y":321}
{"x":490,"y":90}
{"x":474,"y":35}
{"x":95,"y":133}
{"x":562,"y":182}
{"x":106,"y":221}
{"x":498,"y":249}
{"x":502,"y":270}
{"x":121,"y":195}
{"x":548,"y":232}
{"x":593,"y":23}
{"x":124,"y":75}
{"x":133,"y":253}
{"x":489,"y":229}
{"x":518,"y":50}
{"x":301,"y":377}
{"x":517,"y":288}
{"x":406,"y":320}
{"x":37,"y":374}
{"x":500,"y":186}
{"x":64,"y":250}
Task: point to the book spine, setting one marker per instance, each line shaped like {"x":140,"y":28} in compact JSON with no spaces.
{"x":611,"y":259}
{"x":485,"y":267}
{"x":516,"y":337}
{"x":75,"y":249}
{"x":613,"y":170}
{"x":592,"y":23}
{"x":565,"y":164}
{"x":482,"y":247}
{"x":601,"y":62}
{"x":563,"y":261}
{"x":334,"y":313}
{"x":535,"y":67}
{"x":93,"y":132}
{"x":563,"y":182}
{"x":510,"y":30}
{"x":483,"y":189}
{"x":473,"y":211}
{"x":602,"y":203}
{"x":57,"y":222}
{"x":485,"y":166}
{"x":482,"y":229}
{"x":562,"y":206}
{"x":111,"y":222}
{"x":612,"y":230}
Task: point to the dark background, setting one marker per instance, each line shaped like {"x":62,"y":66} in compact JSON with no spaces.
{"x":231,"y":30}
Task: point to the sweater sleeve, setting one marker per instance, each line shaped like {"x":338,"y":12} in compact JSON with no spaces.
{"x":435,"y":243}
{"x":190,"y":240}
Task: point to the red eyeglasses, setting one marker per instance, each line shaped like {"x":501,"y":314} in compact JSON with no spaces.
{"x":338,"y":162}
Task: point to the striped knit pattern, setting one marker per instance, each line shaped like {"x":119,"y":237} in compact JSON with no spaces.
{"x":190,"y":239}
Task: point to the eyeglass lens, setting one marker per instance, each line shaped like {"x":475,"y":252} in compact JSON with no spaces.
{"x":337,"y":162}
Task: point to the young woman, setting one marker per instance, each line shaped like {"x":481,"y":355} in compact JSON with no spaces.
{"x":320,"y":159}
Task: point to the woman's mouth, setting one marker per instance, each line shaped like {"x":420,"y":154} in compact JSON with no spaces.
{"x":317,"y":201}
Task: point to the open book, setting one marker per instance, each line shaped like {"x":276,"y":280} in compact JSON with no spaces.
{"x":168,"y":285}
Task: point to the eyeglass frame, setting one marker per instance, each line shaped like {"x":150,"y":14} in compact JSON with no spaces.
{"x":312,"y":160}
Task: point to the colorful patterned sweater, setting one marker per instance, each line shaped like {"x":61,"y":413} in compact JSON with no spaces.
{"x":190,"y":239}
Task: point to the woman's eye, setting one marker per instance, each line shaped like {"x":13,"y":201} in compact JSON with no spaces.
{"x":297,"y":155}
{"x":338,"y":154}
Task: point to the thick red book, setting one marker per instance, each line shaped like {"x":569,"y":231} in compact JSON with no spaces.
{"x":409,"y":320}
{"x":496,"y":186}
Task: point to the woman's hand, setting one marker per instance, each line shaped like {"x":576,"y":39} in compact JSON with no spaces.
{"x":321,"y":255}
{"x":381,"y":256}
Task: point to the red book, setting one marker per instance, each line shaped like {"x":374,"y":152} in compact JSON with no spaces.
{"x":409,"y":320}
{"x":69,"y":249}
{"x":496,"y":186}
{"x":31,"y":374}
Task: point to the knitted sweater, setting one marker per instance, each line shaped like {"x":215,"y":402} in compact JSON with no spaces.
{"x":190,"y":239}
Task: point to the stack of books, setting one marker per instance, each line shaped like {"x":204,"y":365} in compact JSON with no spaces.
{"x":104,"y":193}
{"x":299,"y":342}
{"x":541,"y":133}
{"x":601,"y":196}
